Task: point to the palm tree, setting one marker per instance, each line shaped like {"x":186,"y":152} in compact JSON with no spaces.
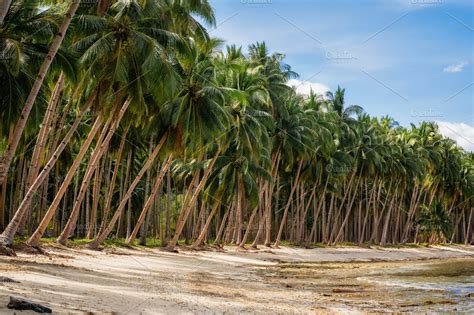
{"x":143,"y":88}
{"x":337,"y":100}
{"x":193,"y":101}
{"x":197,"y":115}
{"x":20,"y":125}
{"x":139,"y":48}
{"x":24,"y":41}
{"x":434,"y":223}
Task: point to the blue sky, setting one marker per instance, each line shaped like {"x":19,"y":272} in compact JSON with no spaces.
{"x":409,"y":59}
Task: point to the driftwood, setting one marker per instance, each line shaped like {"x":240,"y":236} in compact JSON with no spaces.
{"x":19,"y":304}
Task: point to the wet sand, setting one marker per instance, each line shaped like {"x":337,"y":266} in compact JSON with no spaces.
{"x":286,"y":280}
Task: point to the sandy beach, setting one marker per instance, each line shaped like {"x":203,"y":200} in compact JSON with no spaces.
{"x":286,"y":280}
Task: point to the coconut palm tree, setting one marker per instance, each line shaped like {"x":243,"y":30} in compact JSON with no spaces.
{"x":35,"y":89}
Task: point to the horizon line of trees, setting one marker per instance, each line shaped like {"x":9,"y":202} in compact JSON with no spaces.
{"x":125,"y":119}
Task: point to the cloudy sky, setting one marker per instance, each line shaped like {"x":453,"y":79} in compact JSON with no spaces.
{"x":409,"y":59}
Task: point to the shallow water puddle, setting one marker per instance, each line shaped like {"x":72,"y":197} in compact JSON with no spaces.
{"x":421,"y":286}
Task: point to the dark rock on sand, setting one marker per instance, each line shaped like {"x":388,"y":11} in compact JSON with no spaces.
{"x":23,"y":305}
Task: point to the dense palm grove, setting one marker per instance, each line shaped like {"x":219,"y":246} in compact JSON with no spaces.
{"x":125,"y":119}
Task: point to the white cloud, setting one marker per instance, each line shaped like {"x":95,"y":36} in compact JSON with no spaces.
{"x":304,"y":87}
{"x":456,"y":67}
{"x":462,"y":133}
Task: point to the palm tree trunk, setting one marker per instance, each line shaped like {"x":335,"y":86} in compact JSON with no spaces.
{"x":249,"y":226}
{"x":316,"y":213}
{"x":25,"y":113}
{"x":92,"y":221}
{"x":239,"y":213}
{"x":198,"y":221}
{"x":252,"y":217}
{"x":377,"y":215}
{"x":111,"y":188}
{"x":41,"y":143}
{"x":144,"y":226}
{"x":168,"y":210}
{"x":260,"y":229}
{"x":348,"y":211}
{"x":128,"y":216}
{"x":230,"y":221}
{"x":204,"y":230}
{"x":221,"y":228}
{"x":123,"y":183}
{"x":6,"y":238}
{"x":383,"y":240}
{"x":36,"y":236}
{"x":418,"y":191}
{"x":288,"y":203}
{"x":101,"y":237}
{"x":332,"y":237}
{"x":150,"y":200}
{"x":95,"y":158}
{"x":192,"y":185}
{"x":304,"y":214}
{"x":187,"y":208}
{"x":268,"y":199}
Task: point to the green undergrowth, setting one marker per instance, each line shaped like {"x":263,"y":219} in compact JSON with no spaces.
{"x":156,"y":243}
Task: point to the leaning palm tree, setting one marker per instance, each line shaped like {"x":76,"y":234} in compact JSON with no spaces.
{"x":131,"y":33}
{"x":35,"y":89}
{"x":184,"y":113}
{"x":23,"y":42}
{"x":198,"y":116}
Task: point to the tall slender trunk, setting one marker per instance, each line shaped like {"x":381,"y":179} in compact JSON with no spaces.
{"x":25,"y":113}
{"x":230,"y":223}
{"x":239,"y":213}
{"x":123,"y":183}
{"x":221,"y":228}
{"x":168,"y":209}
{"x":383,"y":240}
{"x":288,"y":203}
{"x":92,"y":222}
{"x":111,"y":189}
{"x":268,"y":199}
{"x":6,"y":238}
{"x":144,"y":226}
{"x":101,"y":237}
{"x":416,"y":197}
{"x":468,"y":236}
{"x":316,"y":213}
{"x":367,"y":208}
{"x":151,"y":199}
{"x":348,"y":211}
{"x":260,"y":229}
{"x":304,"y":214}
{"x":204,"y":230}
{"x":188,"y":207}
{"x":198,"y":221}
{"x":128,"y":221}
{"x":96,"y":156}
{"x":252,"y":217}
{"x":36,"y":236}
{"x":41,"y":143}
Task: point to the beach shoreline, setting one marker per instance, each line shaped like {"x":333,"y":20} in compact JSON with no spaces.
{"x":148,"y":280}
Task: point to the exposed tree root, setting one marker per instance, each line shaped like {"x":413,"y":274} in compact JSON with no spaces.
{"x":6,"y":251}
